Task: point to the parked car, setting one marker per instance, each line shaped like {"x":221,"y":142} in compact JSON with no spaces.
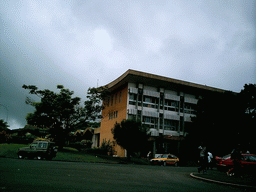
{"x":165,"y":159}
{"x":248,"y":161}
{"x":38,"y":149}
{"x":224,"y":162}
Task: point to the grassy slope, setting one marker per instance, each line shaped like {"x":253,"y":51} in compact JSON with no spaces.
{"x":68,"y":154}
{"x":10,"y":150}
{"x":71,"y":154}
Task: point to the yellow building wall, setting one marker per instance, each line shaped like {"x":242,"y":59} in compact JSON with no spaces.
{"x":109,"y":117}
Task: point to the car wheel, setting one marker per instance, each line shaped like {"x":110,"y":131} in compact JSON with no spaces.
{"x":164,"y":163}
{"x":20,"y":156}
{"x":176,"y":164}
{"x":39,"y":157}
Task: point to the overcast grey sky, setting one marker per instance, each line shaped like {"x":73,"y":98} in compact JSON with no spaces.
{"x":76,"y":43}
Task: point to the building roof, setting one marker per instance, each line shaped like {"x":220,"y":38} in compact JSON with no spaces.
{"x":133,"y":76}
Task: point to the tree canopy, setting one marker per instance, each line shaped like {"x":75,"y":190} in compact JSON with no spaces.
{"x":61,"y":111}
{"x":248,"y":103}
{"x":3,"y":125}
{"x":4,"y":136}
{"x":247,"y":97}
{"x":223,"y":120}
{"x":131,"y":135}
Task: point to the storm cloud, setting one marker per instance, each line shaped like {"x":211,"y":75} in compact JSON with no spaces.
{"x":82,"y":44}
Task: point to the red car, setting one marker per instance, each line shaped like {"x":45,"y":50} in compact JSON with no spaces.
{"x":247,"y":161}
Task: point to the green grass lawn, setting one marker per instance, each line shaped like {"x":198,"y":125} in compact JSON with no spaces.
{"x":67,"y":154}
{"x":10,"y":150}
{"x":72,"y":155}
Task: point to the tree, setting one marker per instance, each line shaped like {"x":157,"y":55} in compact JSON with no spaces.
{"x":61,"y":112}
{"x":131,"y":135}
{"x":4,"y":136}
{"x":3,"y":125}
{"x":247,"y":98}
{"x":57,"y":111}
{"x":94,"y":102}
{"x":217,"y":122}
{"x":248,"y":101}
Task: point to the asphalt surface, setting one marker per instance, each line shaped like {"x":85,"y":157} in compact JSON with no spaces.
{"x":34,"y":175}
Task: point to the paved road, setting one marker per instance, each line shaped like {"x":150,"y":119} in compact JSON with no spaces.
{"x":33,"y":175}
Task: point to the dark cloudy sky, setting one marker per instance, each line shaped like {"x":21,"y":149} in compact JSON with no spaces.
{"x":77,"y":43}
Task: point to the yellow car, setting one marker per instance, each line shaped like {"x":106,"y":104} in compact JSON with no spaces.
{"x":165,"y":159}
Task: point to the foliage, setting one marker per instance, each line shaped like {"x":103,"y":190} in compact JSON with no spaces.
{"x":86,"y":142}
{"x":4,"y":132}
{"x":94,"y":104}
{"x":247,"y":98}
{"x":223,"y":120}
{"x":41,"y":139}
{"x":81,"y":145}
{"x":131,"y":135}
{"x":27,"y":134}
{"x":3,"y":125}
{"x":4,"y":137}
{"x":54,"y":109}
{"x":217,"y":119}
{"x":61,"y":112}
{"x":84,"y":123}
{"x":106,"y":146}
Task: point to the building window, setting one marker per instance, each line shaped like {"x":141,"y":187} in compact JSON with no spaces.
{"x":151,"y":102}
{"x":171,"y":105}
{"x":146,"y":119}
{"x":132,"y":99}
{"x":151,"y":121}
{"x":171,"y":124}
{"x":189,"y":108}
{"x":116,"y":99}
{"x":130,"y":116}
{"x":113,"y":115}
{"x":108,"y":101}
{"x":120,"y":95}
{"x":112,"y":98}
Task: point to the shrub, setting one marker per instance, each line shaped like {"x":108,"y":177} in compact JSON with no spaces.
{"x":107,"y":146}
{"x":5,"y":137}
{"x":41,"y":139}
{"x":86,"y":143}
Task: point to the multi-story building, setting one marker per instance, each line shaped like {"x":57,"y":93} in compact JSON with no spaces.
{"x":166,"y":105}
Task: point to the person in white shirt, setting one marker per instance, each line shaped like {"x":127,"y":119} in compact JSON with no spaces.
{"x":210,"y":157}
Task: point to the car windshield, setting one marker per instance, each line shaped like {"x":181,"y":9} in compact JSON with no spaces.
{"x":226,"y":157}
{"x":42,"y":145}
{"x":33,"y":145}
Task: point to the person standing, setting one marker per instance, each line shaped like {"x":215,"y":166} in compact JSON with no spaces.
{"x":236,"y":156}
{"x":203,"y":160}
{"x":149,"y":155}
{"x":210,"y":162}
